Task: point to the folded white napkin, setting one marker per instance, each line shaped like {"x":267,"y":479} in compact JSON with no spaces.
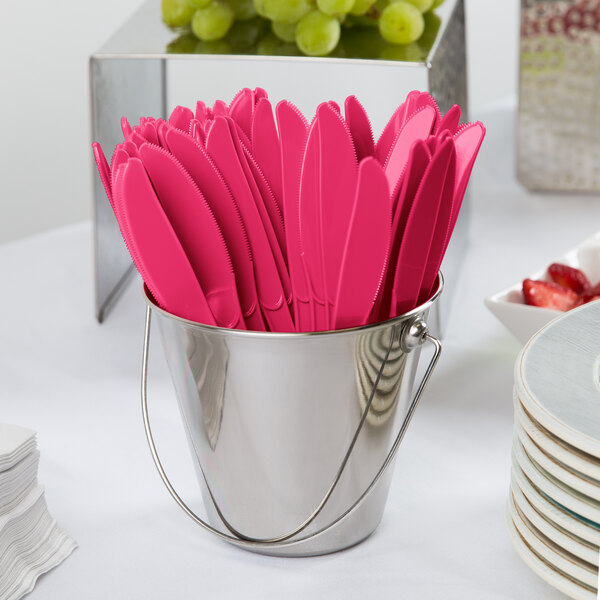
{"x":17,"y":480}
{"x":15,"y":443}
{"x":31,"y":542}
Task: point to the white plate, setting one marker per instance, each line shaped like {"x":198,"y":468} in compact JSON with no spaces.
{"x":561,"y":516}
{"x":543,"y":569}
{"x":568,"y":565}
{"x":569,"y":498}
{"x":523,"y":320}
{"x":557,"y":378}
{"x":573,"y":544}
{"x":569,"y":477}
{"x":555,"y":447}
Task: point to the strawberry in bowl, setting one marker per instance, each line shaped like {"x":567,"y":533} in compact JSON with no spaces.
{"x":568,"y":288}
{"x":569,"y":281}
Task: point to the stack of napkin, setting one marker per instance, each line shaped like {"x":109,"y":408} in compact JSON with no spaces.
{"x":30,"y":541}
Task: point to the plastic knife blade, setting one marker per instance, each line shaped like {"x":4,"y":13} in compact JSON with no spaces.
{"x":417,"y":127}
{"x":154,"y":247}
{"x":418,"y":162}
{"x":438,"y":242}
{"x":221,"y":148}
{"x":450,"y":120}
{"x":271,"y":218}
{"x":360,"y":128}
{"x":418,"y":233}
{"x":181,"y":117}
{"x":310,"y":239}
{"x":265,"y":147}
{"x":199,"y":165}
{"x":338,"y":181}
{"x":241,"y":109}
{"x":198,"y":232}
{"x":293,"y":131}
{"x":393,"y":126}
{"x":366,"y":249}
{"x":103,"y":170}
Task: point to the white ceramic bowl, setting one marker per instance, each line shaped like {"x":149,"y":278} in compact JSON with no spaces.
{"x":523,"y":320}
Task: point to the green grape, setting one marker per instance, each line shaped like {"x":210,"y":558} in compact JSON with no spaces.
{"x":437,"y":3}
{"x":366,"y":20}
{"x":401,"y":23}
{"x":287,"y":11}
{"x":270,"y":45}
{"x":406,"y":52}
{"x":360,"y":7}
{"x":243,"y":9}
{"x":184,"y":44}
{"x":243,"y":35}
{"x":422,"y":5}
{"x":284,"y":31}
{"x":199,"y":3}
{"x":259,"y":7}
{"x":335,"y":8}
{"x":318,"y":34}
{"x":362,"y":42}
{"x":213,"y":22}
{"x":177,"y":13}
{"x":213,"y":47}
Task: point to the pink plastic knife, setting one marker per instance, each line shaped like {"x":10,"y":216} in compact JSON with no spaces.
{"x":338,"y":181}
{"x":366,"y":248}
{"x":311,"y":242}
{"x":181,"y":117}
{"x":450,"y":120}
{"x":154,"y":247}
{"x":293,"y":131}
{"x":265,"y":147}
{"x":360,"y":128}
{"x":393,"y":126}
{"x":418,"y":161}
{"x":198,"y":232}
{"x":221,"y":148}
{"x":418,"y":233}
{"x":417,"y":127}
{"x":103,"y":170}
{"x":241,"y":109}
{"x":437,"y":248}
{"x":468,"y":140}
{"x":198,"y":164}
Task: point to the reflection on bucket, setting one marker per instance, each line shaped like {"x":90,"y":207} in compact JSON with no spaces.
{"x":370,"y":351}
{"x":203,"y":351}
{"x":292,"y":434}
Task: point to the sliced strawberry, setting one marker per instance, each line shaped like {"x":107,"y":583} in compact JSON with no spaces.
{"x":569,"y":277}
{"x":590,"y":294}
{"x":548,"y":295}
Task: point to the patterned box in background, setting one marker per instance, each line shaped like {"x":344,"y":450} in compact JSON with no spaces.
{"x":558,"y":147}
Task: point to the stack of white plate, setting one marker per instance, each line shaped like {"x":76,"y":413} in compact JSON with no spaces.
{"x":31,"y":543}
{"x":554,"y":504}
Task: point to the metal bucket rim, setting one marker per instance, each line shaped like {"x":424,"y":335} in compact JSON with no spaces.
{"x":298,"y":334}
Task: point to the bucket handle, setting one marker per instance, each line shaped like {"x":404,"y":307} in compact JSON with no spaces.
{"x":413,"y":334}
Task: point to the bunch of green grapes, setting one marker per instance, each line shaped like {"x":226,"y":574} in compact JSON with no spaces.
{"x":210,"y":20}
{"x":314,"y":26}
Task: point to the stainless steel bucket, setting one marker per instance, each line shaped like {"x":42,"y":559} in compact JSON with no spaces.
{"x":292,"y":434}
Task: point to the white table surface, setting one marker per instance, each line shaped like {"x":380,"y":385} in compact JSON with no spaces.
{"x":443,"y":534}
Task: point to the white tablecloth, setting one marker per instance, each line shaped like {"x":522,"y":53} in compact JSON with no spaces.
{"x":443,"y":534}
